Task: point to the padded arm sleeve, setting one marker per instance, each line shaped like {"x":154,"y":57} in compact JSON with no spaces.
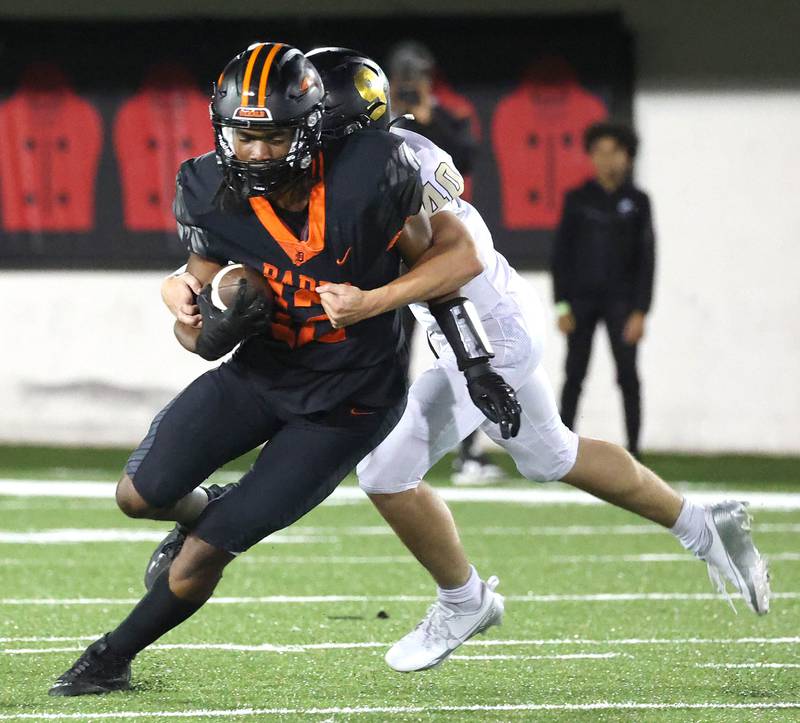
{"x":461,"y":326}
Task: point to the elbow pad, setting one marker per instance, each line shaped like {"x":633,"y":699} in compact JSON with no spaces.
{"x":459,"y":321}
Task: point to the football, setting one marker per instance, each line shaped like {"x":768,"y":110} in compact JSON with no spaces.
{"x":225,"y":284}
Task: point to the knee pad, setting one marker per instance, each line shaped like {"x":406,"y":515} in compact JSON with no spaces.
{"x":554,"y":462}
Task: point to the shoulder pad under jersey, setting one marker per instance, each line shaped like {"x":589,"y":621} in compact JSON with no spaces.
{"x":388,"y":172}
{"x":441,"y":181}
{"x":196,"y":186}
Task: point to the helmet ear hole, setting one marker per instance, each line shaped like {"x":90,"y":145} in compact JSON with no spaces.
{"x":356,"y":91}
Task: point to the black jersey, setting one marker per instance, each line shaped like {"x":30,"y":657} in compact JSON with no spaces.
{"x":369,"y":184}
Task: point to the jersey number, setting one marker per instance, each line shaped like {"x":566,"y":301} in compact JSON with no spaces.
{"x":287,"y":295}
{"x":451,"y":186}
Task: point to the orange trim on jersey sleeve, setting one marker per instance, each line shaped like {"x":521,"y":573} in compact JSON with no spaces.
{"x":393,"y":241}
{"x":248,"y":71}
{"x":298,"y":251}
{"x":262,"y":86}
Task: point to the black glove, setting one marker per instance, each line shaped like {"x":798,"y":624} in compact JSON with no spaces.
{"x":494,"y":397}
{"x":249,"y":314}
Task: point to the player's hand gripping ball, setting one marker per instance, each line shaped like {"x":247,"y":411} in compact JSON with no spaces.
{"x":237,"y":304}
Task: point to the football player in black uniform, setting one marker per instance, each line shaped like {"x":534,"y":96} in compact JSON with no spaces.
{"x":321,"y":394}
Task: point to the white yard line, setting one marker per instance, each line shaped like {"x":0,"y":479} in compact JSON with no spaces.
{"x":747,"y":665}
{"x":283,"y":649}
{"x":313,"y":599}
{"x":48,"y":639}
{"x":660,"y":557}
{"x":309,"y":534}
{"x":566,"y":656}
{"x":329,"y":560}
{"x":391,"y":710}
{"x":519,"y":495}
{"x":301,"y":647}
{"x":92,"y":534}
{"x":322,"y":535}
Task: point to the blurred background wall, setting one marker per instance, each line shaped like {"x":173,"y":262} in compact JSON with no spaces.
{"x":88,"y":356}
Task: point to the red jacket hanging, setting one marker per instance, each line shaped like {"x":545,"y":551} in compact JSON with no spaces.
{"x":537,"y":135}
{"x":165,"y":123}
{"x":50,"y":141}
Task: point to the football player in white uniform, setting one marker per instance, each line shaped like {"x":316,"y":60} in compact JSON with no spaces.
{"x":440,"y":411}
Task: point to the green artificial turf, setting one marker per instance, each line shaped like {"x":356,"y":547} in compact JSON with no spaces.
{"x":651,"y":650}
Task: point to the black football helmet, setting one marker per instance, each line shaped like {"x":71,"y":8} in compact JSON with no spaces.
{"x":269,"y":85}
{"x":356,"y":91}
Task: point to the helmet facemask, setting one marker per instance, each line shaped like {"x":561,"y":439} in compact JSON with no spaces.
{"x":272,"y":176}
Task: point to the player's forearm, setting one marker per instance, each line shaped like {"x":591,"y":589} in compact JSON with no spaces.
{"x":443,"y":269}
{"x":187,"y":336}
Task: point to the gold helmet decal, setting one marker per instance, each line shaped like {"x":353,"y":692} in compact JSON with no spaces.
{"x":370,"y":88}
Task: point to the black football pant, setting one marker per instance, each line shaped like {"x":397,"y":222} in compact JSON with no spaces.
{"x":614,"y":313}
{"x":227,"y":412}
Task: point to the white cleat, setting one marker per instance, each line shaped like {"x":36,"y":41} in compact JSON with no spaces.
{"x":732,"y":556}
{"x":473,"y":473}
{"x":443,"y":629}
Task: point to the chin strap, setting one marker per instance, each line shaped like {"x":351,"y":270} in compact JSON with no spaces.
{"x":459,"y":321}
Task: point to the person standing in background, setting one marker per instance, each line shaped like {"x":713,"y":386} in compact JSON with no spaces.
{"x":603,"y":264}
{"x":411,"y":71}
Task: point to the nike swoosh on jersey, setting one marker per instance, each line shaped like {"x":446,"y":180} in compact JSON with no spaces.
{"x":344,"y":258}
{"x":359,"y":412}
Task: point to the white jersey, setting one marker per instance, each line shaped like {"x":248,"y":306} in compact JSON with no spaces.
{"x":499,"y":289}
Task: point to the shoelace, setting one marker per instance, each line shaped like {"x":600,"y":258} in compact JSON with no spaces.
{"x":81,"y":665}
{"x":171,"y":548}
{"x":433,"y":626}
{"x":718,"y":581}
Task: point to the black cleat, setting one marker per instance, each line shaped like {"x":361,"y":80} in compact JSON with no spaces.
{"x":98,"y":670}
{"x":164,"y":554}
{"x":171,"y":545}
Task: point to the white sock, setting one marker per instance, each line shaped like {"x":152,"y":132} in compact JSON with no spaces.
{"x":690,"y":528}
{"x":187,"y":509}
{"x":468,"y":597}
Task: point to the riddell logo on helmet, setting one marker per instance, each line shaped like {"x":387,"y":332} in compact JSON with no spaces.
{"x":259,"y":113}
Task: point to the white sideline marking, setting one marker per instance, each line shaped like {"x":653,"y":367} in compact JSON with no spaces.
{"x":292,"y":648}
{"x":308,"y":536}
{"x":370,"y":710}
{"x":48,"y":639}
{"x":331,"y":559}
{"x":661,"y":557}
{"x":567,"y":656}
{"x":267,"y":648}
{"x":311,"y":599}
{"x":91,"y":534}
{"x":523,"y":495}
{"x":284,"y":599}
{"x":746,"y":665}
{"x":303,"y":534}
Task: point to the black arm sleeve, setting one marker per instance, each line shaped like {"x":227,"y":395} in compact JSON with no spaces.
{"x":196,"y":239}
{"x":563,"y":262}
{"x":643,"y":285}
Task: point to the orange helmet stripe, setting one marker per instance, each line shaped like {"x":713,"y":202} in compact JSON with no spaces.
{"x":262,"y":86}
{"x":247,"y":73}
